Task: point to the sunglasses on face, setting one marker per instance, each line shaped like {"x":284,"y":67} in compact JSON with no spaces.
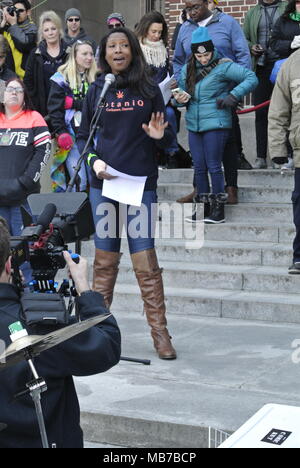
{"x":20,"y":10}
{"x":71,"y":20}
{"x":116,"y":25}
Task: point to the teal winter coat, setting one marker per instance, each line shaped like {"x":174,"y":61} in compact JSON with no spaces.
{"x":202,"y":113}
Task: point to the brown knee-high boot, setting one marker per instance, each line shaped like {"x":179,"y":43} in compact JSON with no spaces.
{"x":105,"y":273}
{"x":149,"y":277}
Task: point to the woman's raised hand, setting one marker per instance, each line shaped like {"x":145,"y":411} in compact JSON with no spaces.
{"x":156,"y":127}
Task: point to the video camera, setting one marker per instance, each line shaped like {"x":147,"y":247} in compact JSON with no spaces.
{"x":63,"y":218}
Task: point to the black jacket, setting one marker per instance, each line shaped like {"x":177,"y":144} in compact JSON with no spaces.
{"x":122,"y":142}
{"x":35,"y":80}
{"x":91,"y":352}
{"x":284,"y":31}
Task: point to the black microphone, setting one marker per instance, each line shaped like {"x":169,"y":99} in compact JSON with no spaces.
{"x":42,"y":223}
{"x":109,"y":80}
{"x":46,"y":216}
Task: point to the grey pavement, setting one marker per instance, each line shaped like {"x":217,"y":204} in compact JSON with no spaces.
{"x":226,"y":371}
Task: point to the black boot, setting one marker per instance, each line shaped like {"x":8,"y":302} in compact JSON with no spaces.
{"x":217,"y":209}
{"x":172,"y":161}
{"x":243,"y":163}
{"x":201,"y":209}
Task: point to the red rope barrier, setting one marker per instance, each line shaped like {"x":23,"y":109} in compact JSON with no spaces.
{"x":255,"y":108}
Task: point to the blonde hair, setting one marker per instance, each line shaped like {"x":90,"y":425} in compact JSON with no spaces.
{"x":54,"y":18}
{"x":69,"y":69}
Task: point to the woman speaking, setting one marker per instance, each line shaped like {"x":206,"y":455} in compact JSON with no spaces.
{"x":131,"y":125}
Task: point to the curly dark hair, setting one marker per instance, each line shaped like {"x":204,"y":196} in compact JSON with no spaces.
{"x":138,"y":74}
{"x":143,"y":26}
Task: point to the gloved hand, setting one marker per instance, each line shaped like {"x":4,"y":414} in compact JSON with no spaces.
{"x":65,"y":141}
{"x":228,"y":101}
{"x":295,"y":43}
{"x":280,"y":160}
{"x":68,"y":102}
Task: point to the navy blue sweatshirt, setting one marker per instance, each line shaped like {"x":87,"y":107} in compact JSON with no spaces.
{"x":93,"y":351}
{"x":121,"y":141}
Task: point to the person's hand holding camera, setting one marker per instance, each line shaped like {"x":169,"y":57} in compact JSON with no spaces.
{"x":10,"y":19}
{"x":78,"y":272}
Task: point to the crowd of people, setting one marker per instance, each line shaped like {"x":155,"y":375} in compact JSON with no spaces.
{"x":52,"y":77}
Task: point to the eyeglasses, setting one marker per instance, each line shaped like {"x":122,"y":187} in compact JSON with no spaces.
{"x":195,"y":8}
{"x":71,"y":20}
{"x":11,"y":89}
{"x":20,"y":10}
{"x":115,"y":25}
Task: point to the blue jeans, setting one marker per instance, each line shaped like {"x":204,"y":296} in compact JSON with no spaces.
{"x":110,"y":216}
{"x":13,"y":217}
{"x":207,"y":150}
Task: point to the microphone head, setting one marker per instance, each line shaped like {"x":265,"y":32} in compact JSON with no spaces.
{"x":47,"y":215}
{"x":110,"y":78}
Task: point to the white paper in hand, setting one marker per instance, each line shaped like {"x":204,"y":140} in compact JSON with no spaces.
{"x":124,"y":188}
{"x":165,"y":87}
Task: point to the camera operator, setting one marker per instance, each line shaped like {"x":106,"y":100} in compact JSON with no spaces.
{"x":20,"y":32}
{"x":91,"y":352}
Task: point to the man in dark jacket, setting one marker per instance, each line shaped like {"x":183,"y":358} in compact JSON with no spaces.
{"x":21,"y":34}
{"x":91,"y":352}
{"x":74,"y":32}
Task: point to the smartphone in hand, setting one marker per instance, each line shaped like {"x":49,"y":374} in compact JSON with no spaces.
{"x":181,"y":92}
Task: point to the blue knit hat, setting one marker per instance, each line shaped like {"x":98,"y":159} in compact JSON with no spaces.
{"x":201,"y":41}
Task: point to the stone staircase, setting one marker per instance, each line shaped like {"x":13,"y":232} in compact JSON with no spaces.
{"x":227,"y":369}
{"x":241,"y":270}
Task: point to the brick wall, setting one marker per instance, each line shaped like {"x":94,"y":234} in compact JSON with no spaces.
{"x":236,"y":8}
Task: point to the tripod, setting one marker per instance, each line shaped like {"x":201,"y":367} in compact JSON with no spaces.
{"x":35,"y":388}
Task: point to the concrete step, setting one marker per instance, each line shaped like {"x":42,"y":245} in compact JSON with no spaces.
{"x":196,"y":302}
{"x":216,"y":276}
{"x":225,"y":372}
{"x":221,"y":252}
{"x":247,"y":194}
{"x":231,"y":232}
{"x":276,"y":213}
{"x":265,"y":177}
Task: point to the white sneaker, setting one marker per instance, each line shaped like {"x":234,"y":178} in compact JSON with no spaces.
{"x":289,"y":166}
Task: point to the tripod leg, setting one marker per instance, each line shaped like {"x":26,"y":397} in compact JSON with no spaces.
{"x":36,"y":396}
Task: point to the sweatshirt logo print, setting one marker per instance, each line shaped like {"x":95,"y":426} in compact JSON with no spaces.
{"x":120,"y":94}
{"x":17,"y":138}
